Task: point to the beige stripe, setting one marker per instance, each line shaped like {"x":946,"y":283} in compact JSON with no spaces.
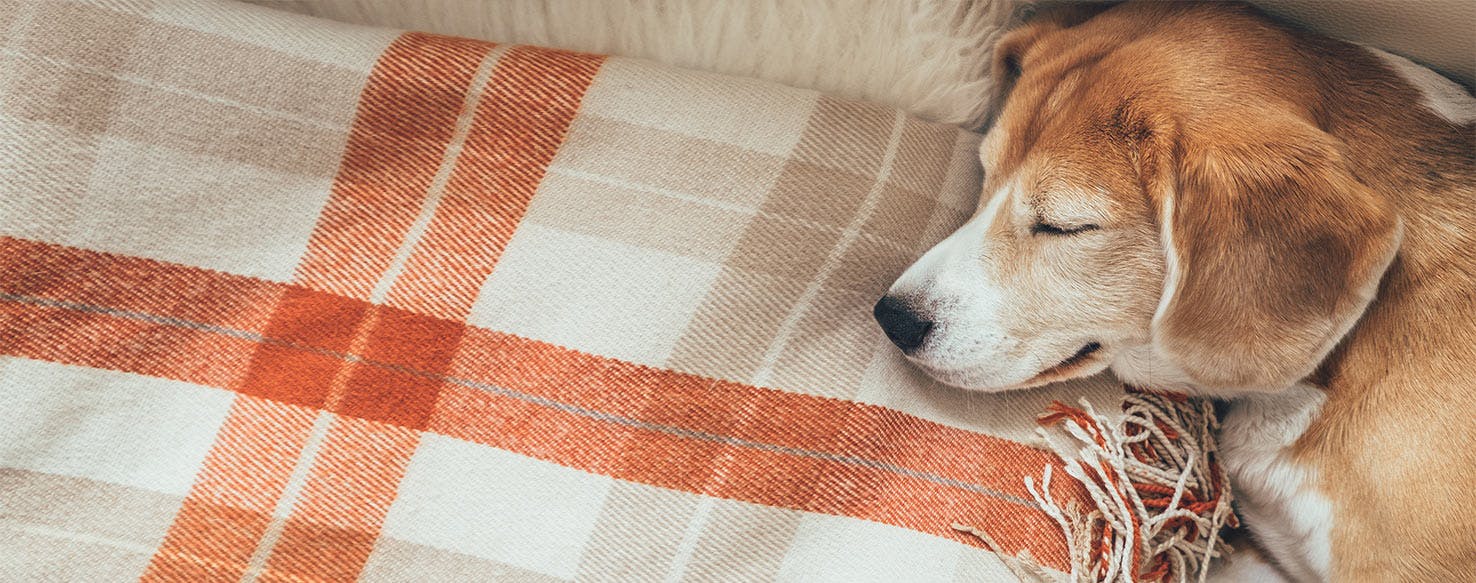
{"x":64,"y":536}
{"x":873,"y":238}
{"x":150,"y":84}
{"x":638,"y":534}
{"x":77,"y":528}
{"x":398,"y":561}
{"x":923,"y":157}
{"x":132,"y":46}
{"x":649,"y":189}
{"x":20,"y":18}
{"x":667,"y":160}
{"x":783,"y":248}
{"x":832,"y":261}
{"x":693,"y":534}
{"x":855,"y":134}
{"x":672,"y":221}
{"x":98,"y":104}
{"x":743,"y":542}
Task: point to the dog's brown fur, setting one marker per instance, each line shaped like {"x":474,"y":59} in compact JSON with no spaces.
{"x":1289,"y":163}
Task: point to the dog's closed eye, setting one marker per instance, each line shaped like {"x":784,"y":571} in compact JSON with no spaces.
{"x":1044,"y":228}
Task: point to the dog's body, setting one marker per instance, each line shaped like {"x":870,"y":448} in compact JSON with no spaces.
{"x":1202,"y":200}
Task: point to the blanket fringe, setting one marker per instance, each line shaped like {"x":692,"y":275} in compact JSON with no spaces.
{"x":1160,"y":496}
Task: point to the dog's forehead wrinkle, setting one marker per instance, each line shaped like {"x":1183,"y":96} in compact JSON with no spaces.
{"x":1094,"y":201}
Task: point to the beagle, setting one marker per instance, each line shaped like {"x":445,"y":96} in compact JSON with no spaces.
{"x":1200,"y":199}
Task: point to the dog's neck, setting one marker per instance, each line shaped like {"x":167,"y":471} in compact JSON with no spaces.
{"x":1424,"y":163}
{"x":1419,"y":155}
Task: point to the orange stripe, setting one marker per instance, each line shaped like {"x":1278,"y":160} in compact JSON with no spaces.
{"x":647,"y":394}
{"x":407,"y":115}
{"x":695,"y":403}
{"x":193,"y":294}
{"x":405,"y":123}
{"x":356,"y":477}
{"x":680,"y":402}
{"x":757,"y":475}
{"x":519,"y":125}
{"x":65,"y":335}
{"x":341,"y":510}
{"x":231,"y":503}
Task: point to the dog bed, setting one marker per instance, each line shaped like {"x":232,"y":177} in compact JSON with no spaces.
{"x":285,"y":299}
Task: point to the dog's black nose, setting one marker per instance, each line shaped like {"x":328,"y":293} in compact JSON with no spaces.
{"x":903,"y":326}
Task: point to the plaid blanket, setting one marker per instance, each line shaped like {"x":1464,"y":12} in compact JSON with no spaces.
{"x":282,"y":299}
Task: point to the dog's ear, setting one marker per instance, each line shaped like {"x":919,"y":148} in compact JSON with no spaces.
{"x":1011,"y":51}
{"x":1273,"y":249}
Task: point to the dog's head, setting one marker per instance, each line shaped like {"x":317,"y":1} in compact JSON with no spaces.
{"x":1159,"y":199}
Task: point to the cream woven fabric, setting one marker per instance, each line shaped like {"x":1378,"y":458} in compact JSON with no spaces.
{"x":288,"y":300}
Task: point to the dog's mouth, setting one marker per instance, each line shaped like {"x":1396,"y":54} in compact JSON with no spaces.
{"x":1073,"y":366}
{"x":1065,"y":368}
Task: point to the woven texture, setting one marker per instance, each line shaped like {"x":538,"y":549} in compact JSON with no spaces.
{"x":282,"y":299}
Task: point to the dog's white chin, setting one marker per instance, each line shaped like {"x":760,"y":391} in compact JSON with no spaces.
{"x":961,"y":378}
{"x":980,"y":379}
{"x":1143,"y":366}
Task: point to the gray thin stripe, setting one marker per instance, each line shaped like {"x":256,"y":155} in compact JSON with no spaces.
{"x":534,"y":399}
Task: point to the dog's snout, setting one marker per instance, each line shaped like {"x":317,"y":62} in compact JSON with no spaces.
{"x":904,"y":326}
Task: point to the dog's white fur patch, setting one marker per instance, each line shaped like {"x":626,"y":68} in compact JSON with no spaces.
{"x":1276,"y":496}
{"x":1444,"y":97}
{"x":922,"y":56}
{"x":1145,"y":365}
{"x":1245,"y":566}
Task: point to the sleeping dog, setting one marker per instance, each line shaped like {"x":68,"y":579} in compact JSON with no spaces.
{"x":1199,"y":199}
